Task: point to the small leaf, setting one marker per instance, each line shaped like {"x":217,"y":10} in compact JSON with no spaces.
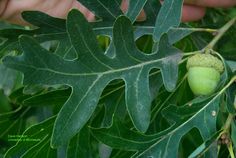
{"x":80,"y":145}
{"x":169,"y":16}
{"x":107,"y":10}
{"x":34,"y":142}
{"x":135,"y":7}
{"x":12,"y":122}
{"x":9,"y":79}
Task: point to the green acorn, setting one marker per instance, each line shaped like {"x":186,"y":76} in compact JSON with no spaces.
{"x":204,"y":71}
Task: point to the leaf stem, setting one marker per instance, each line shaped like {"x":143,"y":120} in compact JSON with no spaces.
{"x":199,"y":29}
{"x":235,"y":102}
{"x":192,"y":53}
{"x":220,"y":33}
{"x":205,"y":30}
{"x":233,"y":79}
{"x":227,"y":130}
{"x":231,"y":152}
{"x":228,"y":123}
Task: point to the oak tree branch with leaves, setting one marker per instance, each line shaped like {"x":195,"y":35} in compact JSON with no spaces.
{"x":118,"y":79}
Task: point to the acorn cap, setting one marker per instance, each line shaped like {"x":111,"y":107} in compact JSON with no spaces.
{"x":205,"y":60}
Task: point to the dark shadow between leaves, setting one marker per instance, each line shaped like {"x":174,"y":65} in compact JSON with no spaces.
{"x":189,"y":142}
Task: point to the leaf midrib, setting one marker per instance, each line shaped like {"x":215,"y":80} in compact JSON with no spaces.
{"x":97,"y":73}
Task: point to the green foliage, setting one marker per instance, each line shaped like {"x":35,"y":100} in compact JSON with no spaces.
{"x":92,"y":90}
